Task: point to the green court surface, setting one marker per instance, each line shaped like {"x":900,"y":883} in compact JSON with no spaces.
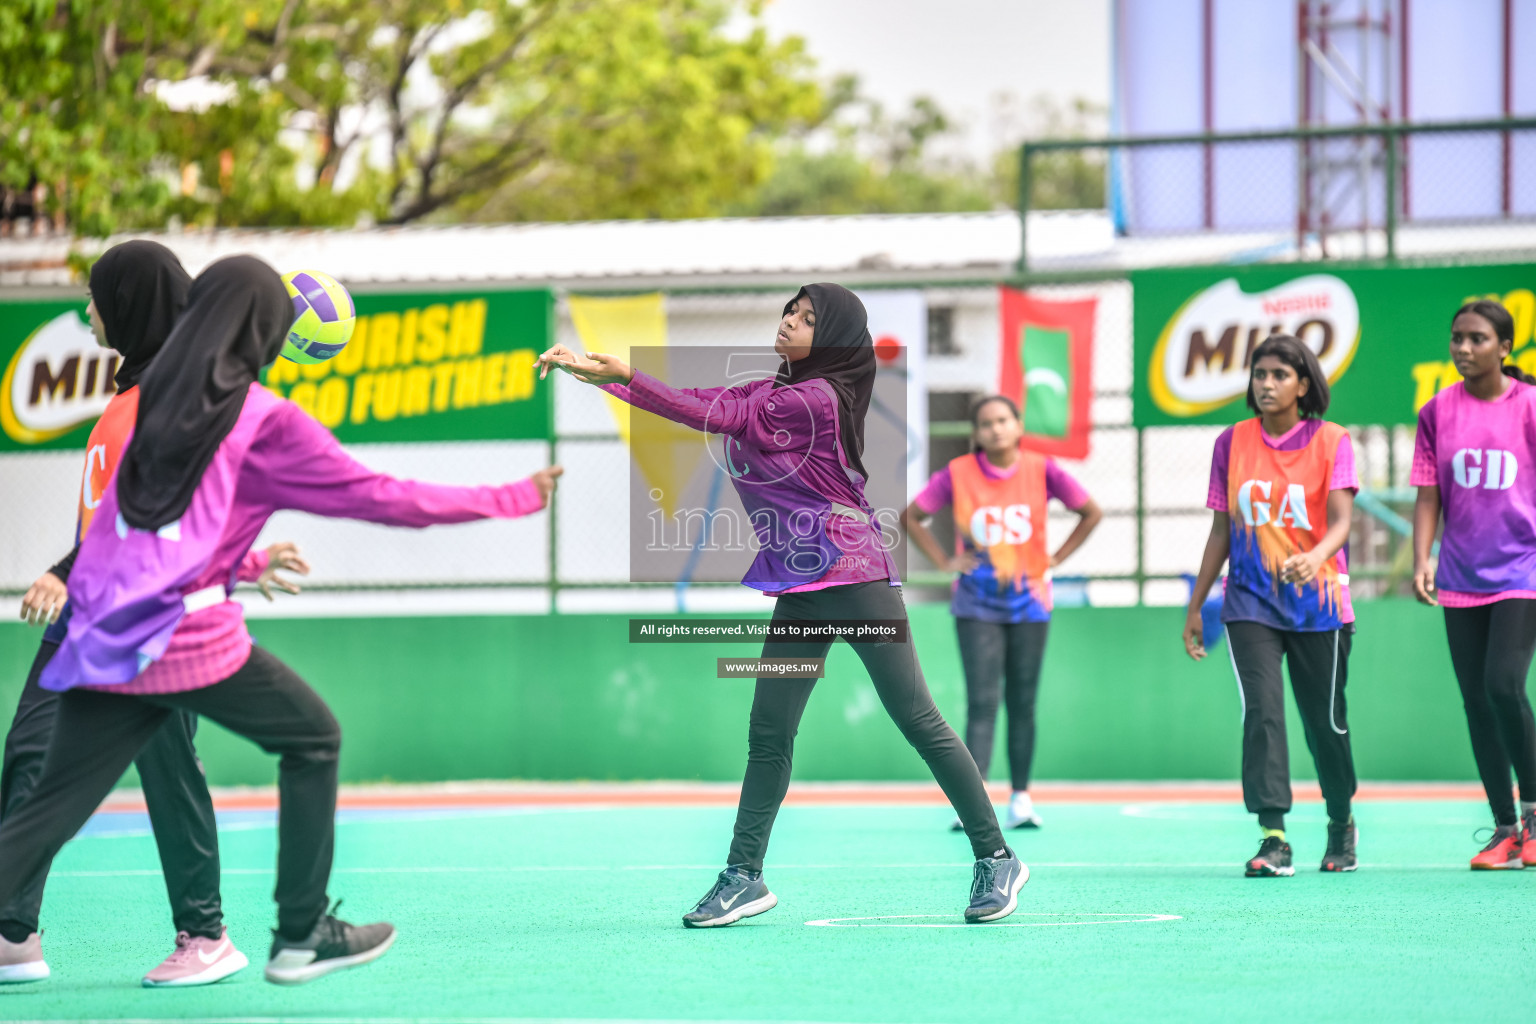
{"x":1133,"y":912}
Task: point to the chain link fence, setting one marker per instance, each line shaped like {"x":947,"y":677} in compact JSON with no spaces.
{"x":1150,"y":482}
{"x":1368,"y":191}
{"x":1382,"y":192}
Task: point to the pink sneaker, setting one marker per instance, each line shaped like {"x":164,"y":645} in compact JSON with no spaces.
{"x":22,"y":961}
{"x":197,"y":961}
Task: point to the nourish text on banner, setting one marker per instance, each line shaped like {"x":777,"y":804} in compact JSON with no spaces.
{"x":432,"y":367}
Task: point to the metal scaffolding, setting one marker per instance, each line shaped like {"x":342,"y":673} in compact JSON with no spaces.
{"x":1350,"y":59}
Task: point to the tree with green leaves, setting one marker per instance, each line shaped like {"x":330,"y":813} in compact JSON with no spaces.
{"x":74,"y":116}
{"x":859,"y":159}
{"x":324,"y":111}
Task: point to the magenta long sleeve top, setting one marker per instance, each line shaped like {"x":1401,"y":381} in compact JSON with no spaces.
{"x":297,"y":464}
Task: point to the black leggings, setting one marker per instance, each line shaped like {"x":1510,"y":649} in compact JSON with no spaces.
{"x":1491,"y":647}
{"x":99,"y":733}
{"x":175,"y":792}
{"x":1009,"y":652}
{"x":1319,"y":668}
{"x":777,"y":705}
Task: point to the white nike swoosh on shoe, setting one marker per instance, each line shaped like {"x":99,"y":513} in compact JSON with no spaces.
{"x":726,"y":904}
{"x":218,"y":951}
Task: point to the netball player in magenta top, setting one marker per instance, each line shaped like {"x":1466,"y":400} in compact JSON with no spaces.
{"x":1282,"y":489}
{"x":800,"y":440}
{"x":1475,"y":461}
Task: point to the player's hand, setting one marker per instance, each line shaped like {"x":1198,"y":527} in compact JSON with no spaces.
{"x":44,"y":601}
{"x":546,"y":480}
{"x":594,"y":368}
{"x":1424,"y":584}
{"x":962,"y":563}
{"x":560,"y":355}
{"x":282,"y":555}
{"x":1300,"y":568}
{"x":1194,"y":633}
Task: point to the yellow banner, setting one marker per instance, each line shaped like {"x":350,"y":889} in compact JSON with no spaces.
{"x":666,"y":453}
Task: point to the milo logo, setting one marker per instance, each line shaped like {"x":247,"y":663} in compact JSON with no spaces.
{"x":58,"y":379}
{"x":1203,"y":355}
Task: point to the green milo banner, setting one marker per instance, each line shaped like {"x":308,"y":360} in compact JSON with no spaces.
{"x":1381,"y":334}
{"x":434,"y":366}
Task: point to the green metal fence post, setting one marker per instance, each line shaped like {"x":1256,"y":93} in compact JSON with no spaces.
{"x":1141,"y":514}
{"x":554,"y":539}
{"x":553,"y":510}
{"x":1391,"y":190}
{"x":1024,"y":158}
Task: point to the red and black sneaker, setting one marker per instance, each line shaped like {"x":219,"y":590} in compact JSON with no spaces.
{"x":1528,"y":839}
{"x":1502,"y":852}
{"x":1342,"y":837}
{"x":1272,"y":861}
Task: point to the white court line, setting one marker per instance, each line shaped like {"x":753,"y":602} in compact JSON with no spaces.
{"x":535,"y":868}
{"x":839,"y":922}
{"x":397,"y":1020}
{"x":366,"y":817}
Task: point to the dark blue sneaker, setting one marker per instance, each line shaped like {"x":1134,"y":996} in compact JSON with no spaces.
{"x":995,"y":887}
{"x":736,"y":894}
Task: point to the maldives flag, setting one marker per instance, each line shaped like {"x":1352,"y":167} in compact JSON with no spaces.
{"x":1046,"y":366}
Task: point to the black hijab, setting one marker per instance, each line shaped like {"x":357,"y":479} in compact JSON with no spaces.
{"x":843,"y":355}
{"x":237,"y":315}
{"x":139,"y":289}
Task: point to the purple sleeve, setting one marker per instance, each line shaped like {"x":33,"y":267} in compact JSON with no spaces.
{"x":1425,"y":472}
{"x":646,"y":392}
{"x":1345,"y":478}
{"x":303,"y":468}
{"x":1221,"y":455}
{"x":784,"y":419}
{"x":939,"y":492}
{"x":1060,"y":485}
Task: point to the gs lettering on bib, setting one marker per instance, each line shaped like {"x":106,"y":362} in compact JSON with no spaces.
{"x":1278,"y":504}
{"x":1002,"y":521}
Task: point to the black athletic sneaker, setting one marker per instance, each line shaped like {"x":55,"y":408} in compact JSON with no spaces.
{"x":1273,"y":859}
{"x":333,"y":945}
{"x":736,"y":894}
{"x":995,"y":887}
{"x":1341,"y":846}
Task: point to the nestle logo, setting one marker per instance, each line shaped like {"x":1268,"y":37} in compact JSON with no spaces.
{"x":1292,"y":304}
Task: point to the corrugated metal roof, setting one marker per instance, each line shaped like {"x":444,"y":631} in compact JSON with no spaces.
{"x":740,"y":253}
{"x":616,"y":253}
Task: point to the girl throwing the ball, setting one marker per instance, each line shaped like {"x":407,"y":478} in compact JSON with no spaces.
{"x":153,"y":632}
{"x":1474,"y":462}
{"x":1282,"y":489}
{"x":798,"y":439}
{"x":1002,"y":595}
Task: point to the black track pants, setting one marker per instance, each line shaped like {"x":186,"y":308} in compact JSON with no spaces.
{"x":1319,"y":667}
{"x":175,"y":791}
{"x":1491,"y":647}
{"x":777,"y":705}
{"x":98,"y":734}
{"x":1009,"y":653}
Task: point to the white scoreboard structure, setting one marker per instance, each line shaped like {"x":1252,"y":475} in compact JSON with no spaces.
{"x":1195,"y":67}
